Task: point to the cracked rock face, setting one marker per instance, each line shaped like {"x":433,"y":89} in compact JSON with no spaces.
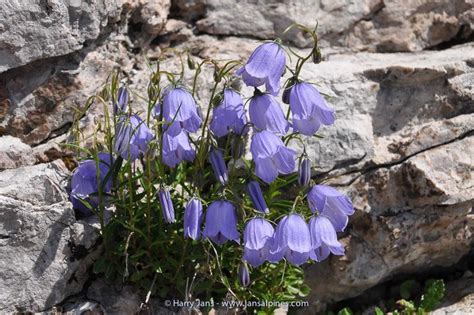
{"x":373,"y":25}
{"x":45,"y":251}
{"x":32,"y":30}
{"x":401,"y":147}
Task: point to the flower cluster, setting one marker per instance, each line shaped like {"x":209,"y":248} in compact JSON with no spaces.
{"x":177,"y":135}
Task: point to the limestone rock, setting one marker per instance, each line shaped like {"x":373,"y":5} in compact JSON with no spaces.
{"x":14,"y":153}
{"x":35,"y":30}
{"x":45,"y":251}
{"x":373,"y":25}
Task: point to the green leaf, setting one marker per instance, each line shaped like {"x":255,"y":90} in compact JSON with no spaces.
{"x":345,"y":311}
{"x":378,"y":311}
{"x":434,"y":293}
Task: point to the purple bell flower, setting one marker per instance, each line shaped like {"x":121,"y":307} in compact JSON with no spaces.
{"x":304,"y":172}
{"x":179,"y":106}
{"x":218,"y":166}
{"x":309,"y":109}
{"x":176,"y":146}
{"x":193,"y":219}
{"x":266,"y":113}
{"x":221,"y":222}
{"x":271,"y":156}
{"x":256,"y":195}
{"x":323,"y":238}
{"x":166,"y":205}
{"x":229,"y":116}
{"x":258,"y":236}
{"x":291,"y":240}
{"x":265,"y":66}
{"x":327,"y":201}
{"x":244,"y":277}
{"x":121,"y":105}
{"x":84,"y":185}
{"x":132,"y":137}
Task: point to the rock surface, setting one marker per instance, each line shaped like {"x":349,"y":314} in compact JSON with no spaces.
{"x":402,"y":145}
{"x":35,"y":30}
{"x":45,"y":251}
{"x":374,"y":25}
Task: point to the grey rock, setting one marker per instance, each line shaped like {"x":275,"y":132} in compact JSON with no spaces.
{"x":373,"y":25}
{"x":14,"y":153}
{"x":45,"y":251}
{"x":42,"y":29}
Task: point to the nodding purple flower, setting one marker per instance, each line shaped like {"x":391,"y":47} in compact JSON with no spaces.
{"x":193,"y":219}
{"x":304,"y":172}
{"x":265,"y":66}
{"x":176,"y":146}
{"x":244,"y":277}
{"x":166,"y":205}
{"x":266,"y":113}
{"x":221,"y":222}
{"x":179,"y":106}
{"x":84,"y":185}
{"x":229,"y":116}
{"x":132,"y":137}
{"x":258,"y":236}
{"x":291,"y":240}
{"x":218,"y":166}
{"x":323,"y":238}
{"x":309,"y":109}
{"x":327,"y":201}
{"x":121,"y":105}
{"x":271,"y":156}
{"x":256,"y":195}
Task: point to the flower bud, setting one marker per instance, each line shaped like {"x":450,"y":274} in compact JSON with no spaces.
{"x":218,"y":166}
{"x":255,"y":193}
{"x":122,"y":101}
{"x":304,"y":172}
{"x":317,"y":57}
{"x":193,"y":219}
{"x":166,"y":205}
{"x":244,"y":277}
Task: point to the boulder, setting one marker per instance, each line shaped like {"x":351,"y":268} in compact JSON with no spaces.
{"x":46,"y":253}
{"x":36,"y":30}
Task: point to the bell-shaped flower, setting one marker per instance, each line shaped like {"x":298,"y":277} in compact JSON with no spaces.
{"x":323,"y":238}
{"x":309,"y":109}
{"x":291,"y":240}
{"x":266,"y":113}
{"x":265,"y":66}
{"x":84,"y":184}
{"x":229,"y":115}
{"x":256,"y":195}
{"x":218,"y":166}
{"x":132,"y":137}
{"x":258,"y":235}
{"x":176,"y":146}
{"x":327,"y":201}
{"x":244,"y":276}
{"x":179,"y":106}
{"x":271,"y":156}
{"x":304,"y":172}
{"x":193,"y":219}
{"x":121,"y":105}
{"x":166,"y":205}
{"x":221,"y":222}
